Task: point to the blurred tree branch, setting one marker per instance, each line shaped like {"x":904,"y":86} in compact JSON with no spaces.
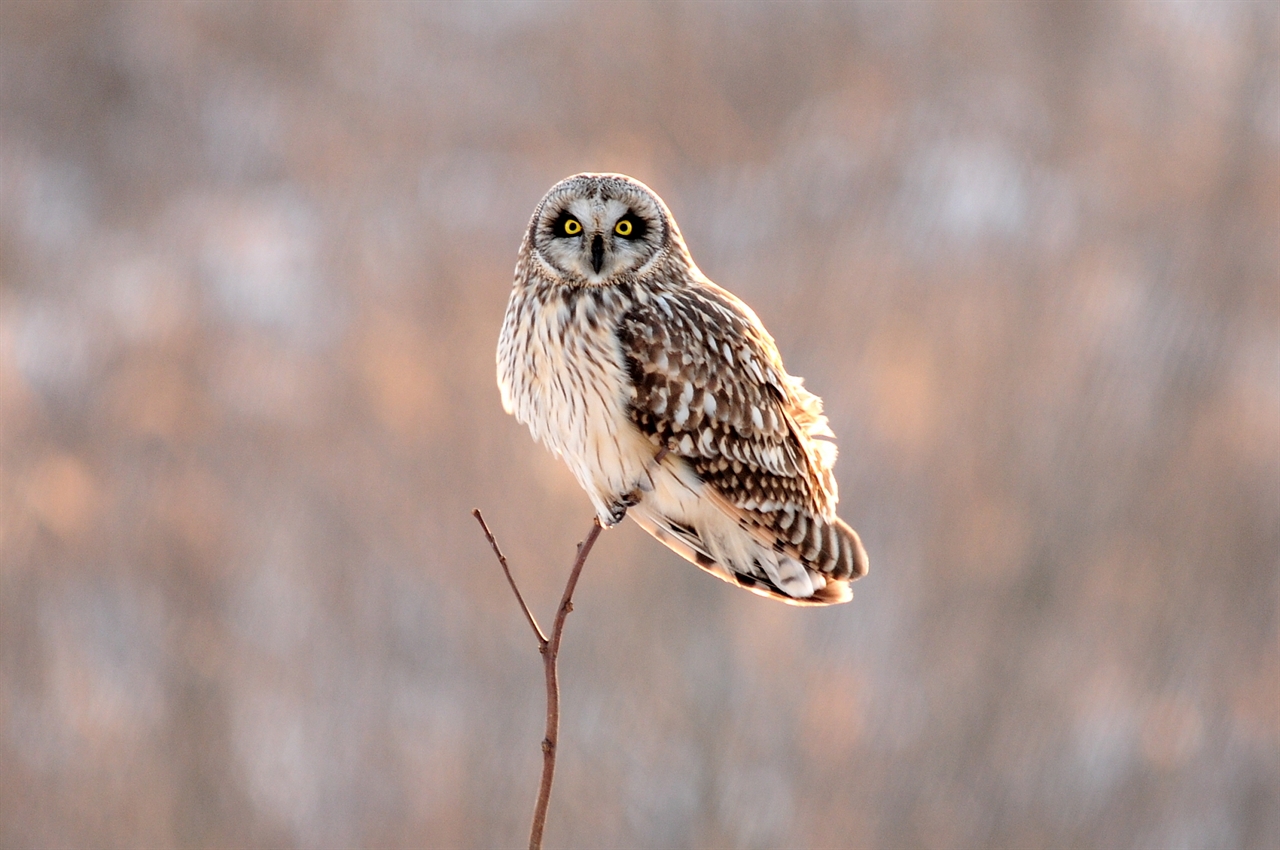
{"x":550,"y":649}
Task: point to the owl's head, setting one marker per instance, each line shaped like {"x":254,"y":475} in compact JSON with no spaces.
{"x":595,"y":229}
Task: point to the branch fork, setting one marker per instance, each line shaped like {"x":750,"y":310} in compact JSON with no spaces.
{"x":549,"y":647}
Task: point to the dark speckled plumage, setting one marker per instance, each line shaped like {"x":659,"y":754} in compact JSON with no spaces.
{"x":710,"y":388}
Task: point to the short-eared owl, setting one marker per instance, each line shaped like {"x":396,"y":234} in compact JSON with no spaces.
{"x":667,"y":397}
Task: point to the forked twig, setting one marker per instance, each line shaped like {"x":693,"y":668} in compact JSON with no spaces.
{"x":550,"y":649}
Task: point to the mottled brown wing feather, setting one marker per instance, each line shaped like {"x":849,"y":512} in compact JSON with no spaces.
{"x":708,"y":384}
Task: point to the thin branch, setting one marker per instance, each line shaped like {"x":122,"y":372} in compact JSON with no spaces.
{"x":502,"y":559}
{"x":550,"y":649}
{"x":549,"y":657}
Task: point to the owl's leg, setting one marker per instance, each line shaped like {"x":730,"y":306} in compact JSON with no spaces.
{"x":640,"y":483}
{"x":618,"y":508}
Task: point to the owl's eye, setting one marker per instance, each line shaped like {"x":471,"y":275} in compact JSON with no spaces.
{"x":566,"y":225}
{"x":630,"y":226}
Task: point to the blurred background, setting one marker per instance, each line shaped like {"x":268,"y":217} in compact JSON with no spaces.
{"x":253,"y":261}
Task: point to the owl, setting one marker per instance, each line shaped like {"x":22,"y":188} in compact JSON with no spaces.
{"x":667,"y":397}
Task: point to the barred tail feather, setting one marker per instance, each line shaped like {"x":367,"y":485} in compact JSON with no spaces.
{"x":852,"y":556}
{"x":760,"y":568}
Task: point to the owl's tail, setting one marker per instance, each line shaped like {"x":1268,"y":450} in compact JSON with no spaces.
{"x":733,"y":555}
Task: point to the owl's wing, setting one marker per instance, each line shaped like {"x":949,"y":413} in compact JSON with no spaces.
{"x":709,"y":386}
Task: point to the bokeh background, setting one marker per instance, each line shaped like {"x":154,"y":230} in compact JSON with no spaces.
{"x":253,"y":260}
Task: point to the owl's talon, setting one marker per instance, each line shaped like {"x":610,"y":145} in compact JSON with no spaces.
{"x":618,"y":508}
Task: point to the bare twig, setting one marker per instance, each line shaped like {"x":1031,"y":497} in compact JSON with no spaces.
{"x":550,"y":649}
{"x":502,"y":559}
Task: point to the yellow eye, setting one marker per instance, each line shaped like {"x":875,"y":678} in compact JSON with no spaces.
{"x":572,"y":227}
{"x":623,"y":228}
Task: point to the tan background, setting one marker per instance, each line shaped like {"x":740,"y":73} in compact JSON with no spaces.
{"x":253,"y":259}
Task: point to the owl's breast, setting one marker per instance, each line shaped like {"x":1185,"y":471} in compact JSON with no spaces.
{"x":561,"y":372}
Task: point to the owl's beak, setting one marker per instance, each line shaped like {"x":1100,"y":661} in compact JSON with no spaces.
{"x":597,"y":252}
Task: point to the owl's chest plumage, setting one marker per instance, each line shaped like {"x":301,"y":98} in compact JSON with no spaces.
{"x":561,"y":371}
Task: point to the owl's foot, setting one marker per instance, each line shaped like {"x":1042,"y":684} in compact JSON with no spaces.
{"x":618,"y":508}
